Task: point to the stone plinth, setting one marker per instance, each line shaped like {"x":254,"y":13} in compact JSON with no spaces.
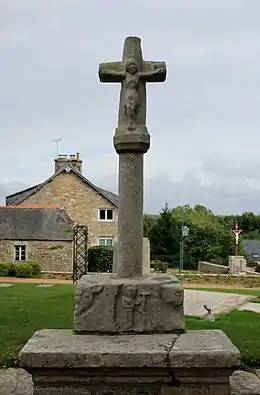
{"x":146,"y":256}
{"x":236,"y":264}
{"x":197,"y":362}
{"x":106,"y":303}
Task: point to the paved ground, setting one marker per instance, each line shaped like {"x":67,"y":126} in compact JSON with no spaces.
{"x":219,"y":302}
{"x":34,"y":280}
{"x":250,"y":307}
{"x":15,"y":382}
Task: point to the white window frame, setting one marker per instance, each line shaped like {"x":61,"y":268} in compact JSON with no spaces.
{"x":106,"y":210}
{"x":106,"y":238}
{"x":20,"y":247}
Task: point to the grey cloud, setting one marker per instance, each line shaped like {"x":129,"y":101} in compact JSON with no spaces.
{"x":201,"y":120}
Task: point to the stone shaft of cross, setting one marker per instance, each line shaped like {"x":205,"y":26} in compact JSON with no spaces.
{"x":131,"y":142}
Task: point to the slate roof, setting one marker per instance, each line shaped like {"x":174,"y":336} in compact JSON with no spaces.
{"x":18,"y":197}
{"x":252,"y":247}
{"x":13,"y":199}
{"x":41,"y":223}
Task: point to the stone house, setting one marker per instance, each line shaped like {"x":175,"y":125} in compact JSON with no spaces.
{"x":42,"y":234}
{"x":84,"y":202}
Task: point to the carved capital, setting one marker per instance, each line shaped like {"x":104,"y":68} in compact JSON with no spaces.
{"x":137,"y":140}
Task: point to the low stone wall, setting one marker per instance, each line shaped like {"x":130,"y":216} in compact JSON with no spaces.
{"x":221,"y":279}
{"x":58,"y":275}
{"x":200,"y":278}
{"x":207,"y":267}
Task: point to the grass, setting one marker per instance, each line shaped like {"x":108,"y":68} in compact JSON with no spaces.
{"x":25,"y":308}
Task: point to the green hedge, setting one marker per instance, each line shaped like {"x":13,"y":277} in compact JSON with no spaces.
{"x":25,"y":269}
{"x":100,"y":259}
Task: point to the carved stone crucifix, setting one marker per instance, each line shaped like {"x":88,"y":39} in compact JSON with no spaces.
{"x":133,"y":73}
{"x":131,"y":141}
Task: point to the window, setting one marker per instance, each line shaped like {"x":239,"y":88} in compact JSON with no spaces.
{"x":20,"y":253}
{"x":106,"y":215}
{"x":105,"y":241}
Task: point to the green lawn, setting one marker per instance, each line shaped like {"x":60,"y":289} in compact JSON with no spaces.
{"x":25,"y":309}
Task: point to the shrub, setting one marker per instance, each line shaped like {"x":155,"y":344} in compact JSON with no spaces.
{"x":36,"y":268}
{"x":24,"y":269}
{"x":159,"y":266}
{"x":4,"y":269}
{"x":100,"y":259}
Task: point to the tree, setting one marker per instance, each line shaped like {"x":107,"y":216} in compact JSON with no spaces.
{"x":164,"y":237}
{"x":210,"y":237}
{"x":148,"y":222}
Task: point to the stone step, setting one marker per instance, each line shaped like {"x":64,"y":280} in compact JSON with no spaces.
{"x":19,"y":382}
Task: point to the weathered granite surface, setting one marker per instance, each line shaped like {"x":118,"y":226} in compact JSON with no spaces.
{"x":131,"y":142}
{"x":130,"y":215}
{"x":244,"y":383}
{"x":146,"y":257}
{"x":15,"y":382}
{"x":19,"y":382}
{"x":133,"y":73}
{"x":60,"y":361}
{"x":110,"y":304}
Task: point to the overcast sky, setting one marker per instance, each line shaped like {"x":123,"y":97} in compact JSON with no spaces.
{"x":204,"y":120}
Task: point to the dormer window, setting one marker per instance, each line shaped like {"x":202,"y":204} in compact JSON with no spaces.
{"x":106,"y":215}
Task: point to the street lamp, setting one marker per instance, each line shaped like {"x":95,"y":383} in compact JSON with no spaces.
{"x":184,"y":233}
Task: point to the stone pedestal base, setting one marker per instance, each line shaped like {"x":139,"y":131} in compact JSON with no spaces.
{"x":236,"y":264}
{"x":106,"y":303}
{"x":194,"y":363}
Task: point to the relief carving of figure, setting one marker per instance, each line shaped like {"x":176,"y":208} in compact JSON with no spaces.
{"x":125,"y":307}
{"x":131,"y":76}
{"x":171,"y":294}
{"x":129,"y":294}
{"x":130,"y":309}
{"x":87,"y":297}
{"x":131,"y":99}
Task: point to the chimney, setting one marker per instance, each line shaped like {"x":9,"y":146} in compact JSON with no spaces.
{"x":71,"y":160}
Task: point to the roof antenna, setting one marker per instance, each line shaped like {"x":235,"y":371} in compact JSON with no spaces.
{"x":57,"y":141}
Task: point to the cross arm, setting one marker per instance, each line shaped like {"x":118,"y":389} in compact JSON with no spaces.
{"x":153,"y":71}
{"x":111,"y":72}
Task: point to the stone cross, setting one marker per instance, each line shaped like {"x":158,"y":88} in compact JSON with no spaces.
{"x":131,"y":141}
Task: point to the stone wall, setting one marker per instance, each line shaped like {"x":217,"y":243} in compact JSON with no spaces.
{"x":53,"y":256}
{"x":206,"y":267}
{"x":81,"y":202}
{"x":220,"y":279}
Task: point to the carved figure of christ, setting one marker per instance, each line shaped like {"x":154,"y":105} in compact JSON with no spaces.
{"x":133,"y":73}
